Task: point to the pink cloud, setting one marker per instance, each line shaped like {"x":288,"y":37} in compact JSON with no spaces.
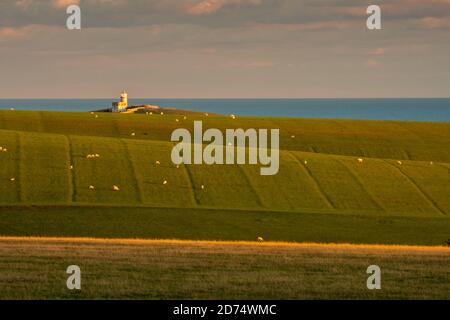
{"x":255,"y":64}
{"x":312,"y":26}
{"x":377,"y":52}
{"x":64,"y":3}
{"x":435,"y":23}
{"x":11,"y":33}
{"x":372,"y":63}
{"x":206,"y":7}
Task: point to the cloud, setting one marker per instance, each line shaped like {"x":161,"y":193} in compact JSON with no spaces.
{"x":205,"y":7}
{"x":11,"y":33}
{"x":436,"y":23}
{"x":23,"y":4}
{"x":372,"y":63}
{"x":312,"y":14}
{"x":64,"y":3}
{"x":377,"y":52}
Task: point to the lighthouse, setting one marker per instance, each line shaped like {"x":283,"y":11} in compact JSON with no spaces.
{"x":122,"y":105}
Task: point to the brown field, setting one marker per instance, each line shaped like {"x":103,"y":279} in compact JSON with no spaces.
{"x":34,"y":268}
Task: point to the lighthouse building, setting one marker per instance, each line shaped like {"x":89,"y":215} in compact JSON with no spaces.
{"x":122,"y":105}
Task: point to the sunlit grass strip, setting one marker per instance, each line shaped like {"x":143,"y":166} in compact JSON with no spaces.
{"x":341,"y":246}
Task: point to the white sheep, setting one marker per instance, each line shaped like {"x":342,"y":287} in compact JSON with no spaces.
{"x":260,"y":239}
{"x":115,"y":188}
{"x":91,"y":187}
{"x":360,"y":160}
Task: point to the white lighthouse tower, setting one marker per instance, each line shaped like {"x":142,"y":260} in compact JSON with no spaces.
{"x":124,"y":97}
{"x":122,"y":105}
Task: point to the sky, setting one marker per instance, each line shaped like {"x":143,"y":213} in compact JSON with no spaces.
{"x":224,"y":49}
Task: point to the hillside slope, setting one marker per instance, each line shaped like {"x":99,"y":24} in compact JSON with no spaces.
{"x":41,"y":168}
{"x":49,"y":185}
{"x":378,"y":139}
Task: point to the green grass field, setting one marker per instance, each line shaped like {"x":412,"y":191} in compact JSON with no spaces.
{"x":398,"y":194}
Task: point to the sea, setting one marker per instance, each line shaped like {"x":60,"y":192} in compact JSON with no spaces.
{"x":435,"y":110}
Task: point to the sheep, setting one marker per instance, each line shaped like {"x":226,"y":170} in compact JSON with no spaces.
{"x":260,"y":239}
{"x":203,"y":187}
{"x":293,"y":137}
{"x":5,"y":150}
{"x":176,"y":120}
{"x":71,"y":167}
{"x":431,"y":162}
{"x":399,"y":162}
{"x":164,"y":182}
{"x":162,"y":113}
{"x":115,"y":188}
{"x":233,"y":117}
{"x":91,"y":187}
{"x":158,"y":162}
{"x":12,"y":179}
{"x":184,"y":118}
{"x":360,"y":160}
{"x":133,"y":134}
{"x":306,"y":161}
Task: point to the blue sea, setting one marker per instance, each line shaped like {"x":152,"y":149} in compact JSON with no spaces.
{"x":371,"y":109}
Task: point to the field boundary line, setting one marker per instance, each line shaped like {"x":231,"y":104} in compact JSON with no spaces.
{"x":19,"y":166}
{"x":190,"y":179}
{"x":134,"y":175}
{"x":313,"y":180}
{"x":418,"y":188}
{"x":73,"y":185}
{"x":252,"y":187}
{"x":359,"y":182}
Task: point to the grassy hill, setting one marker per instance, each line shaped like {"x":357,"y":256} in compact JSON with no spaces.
{"x":398,"y":194}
